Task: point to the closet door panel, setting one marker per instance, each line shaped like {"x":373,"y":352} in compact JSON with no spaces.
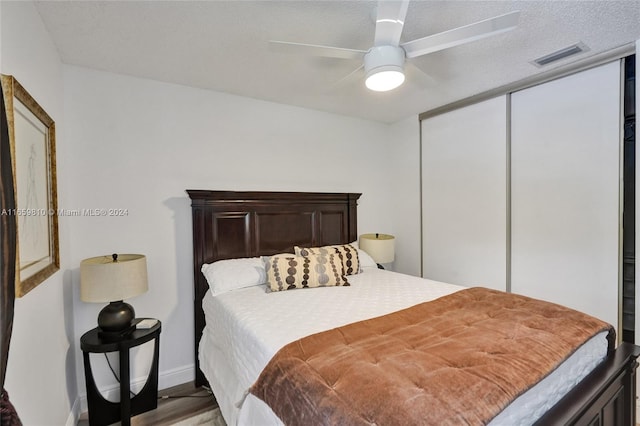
{"x":464,"y":160}
{"x":565,"y":213}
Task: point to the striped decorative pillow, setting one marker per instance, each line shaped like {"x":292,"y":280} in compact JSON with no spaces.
{"x":288,"y":271}
{"x":347,"y":253}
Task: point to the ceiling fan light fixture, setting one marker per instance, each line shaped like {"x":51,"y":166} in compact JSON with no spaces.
{"x":384,"y":68}
{"x":384,"y":62}
{"x":384,"y":79}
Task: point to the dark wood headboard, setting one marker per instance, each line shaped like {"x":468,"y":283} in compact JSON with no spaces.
{"x":228,"y":224}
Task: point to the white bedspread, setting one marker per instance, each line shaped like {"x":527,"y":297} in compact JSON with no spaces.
{"x":246,"y":327}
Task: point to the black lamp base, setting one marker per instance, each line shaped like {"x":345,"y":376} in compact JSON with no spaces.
{"x":116,"y":317}
{"x":115,"y":336}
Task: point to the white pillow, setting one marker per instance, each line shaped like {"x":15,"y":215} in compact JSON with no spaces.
{"x":366,"y":261}
{"x":232,"y":274}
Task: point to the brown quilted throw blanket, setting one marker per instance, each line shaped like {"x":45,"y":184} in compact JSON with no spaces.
{"x":457,"y":360}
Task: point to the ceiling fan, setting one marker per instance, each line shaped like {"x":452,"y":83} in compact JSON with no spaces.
{"x":384,"y":62}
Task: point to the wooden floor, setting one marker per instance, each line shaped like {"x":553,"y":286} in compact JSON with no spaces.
{"x":174,"y":404}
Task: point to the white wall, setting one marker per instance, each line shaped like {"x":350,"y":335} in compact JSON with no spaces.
{"x":403,"y":167}
{"x":41,"y":377}
{"x":138,"y":144}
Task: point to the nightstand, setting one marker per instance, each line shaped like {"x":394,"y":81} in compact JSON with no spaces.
{"x":102,"y":411}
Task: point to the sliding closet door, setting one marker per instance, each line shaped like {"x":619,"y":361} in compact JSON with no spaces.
{"x":464,"y":160}
{"x":565,"y":211}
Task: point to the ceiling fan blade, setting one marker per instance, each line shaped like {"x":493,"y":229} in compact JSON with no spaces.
{"x":348,"y":79}
{"x":461,"y":35}
{"x":316,"y":50}
{"x":390,"y":21}
{"x":418,"y":77}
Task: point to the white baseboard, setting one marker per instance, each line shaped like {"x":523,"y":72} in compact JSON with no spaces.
{"x":74,"y":414}
{"x":166,"y":379}
{"x":177,"y":376}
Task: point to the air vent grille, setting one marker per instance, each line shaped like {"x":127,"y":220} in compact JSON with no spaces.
{"x":560,"y":54}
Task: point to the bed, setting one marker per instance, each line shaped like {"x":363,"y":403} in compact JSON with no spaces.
{"x":230,"y":225}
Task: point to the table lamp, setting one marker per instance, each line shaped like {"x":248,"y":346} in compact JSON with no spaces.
{"x":112,"y":279}
{"x":381,"y":247}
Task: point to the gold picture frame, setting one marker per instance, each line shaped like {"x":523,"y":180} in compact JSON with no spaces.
{"x":33,"y":159}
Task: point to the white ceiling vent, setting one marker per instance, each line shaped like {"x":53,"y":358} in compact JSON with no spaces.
{"x":560,"y":54}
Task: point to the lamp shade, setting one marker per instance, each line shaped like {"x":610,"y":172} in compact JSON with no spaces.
{"x":113,"y":277}
{"x":381,"y":247}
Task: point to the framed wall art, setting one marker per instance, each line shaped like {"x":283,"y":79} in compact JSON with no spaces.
{"x":33,"y":155}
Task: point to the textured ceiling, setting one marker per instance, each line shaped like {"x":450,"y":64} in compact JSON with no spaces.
{"x":223,"y":46}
